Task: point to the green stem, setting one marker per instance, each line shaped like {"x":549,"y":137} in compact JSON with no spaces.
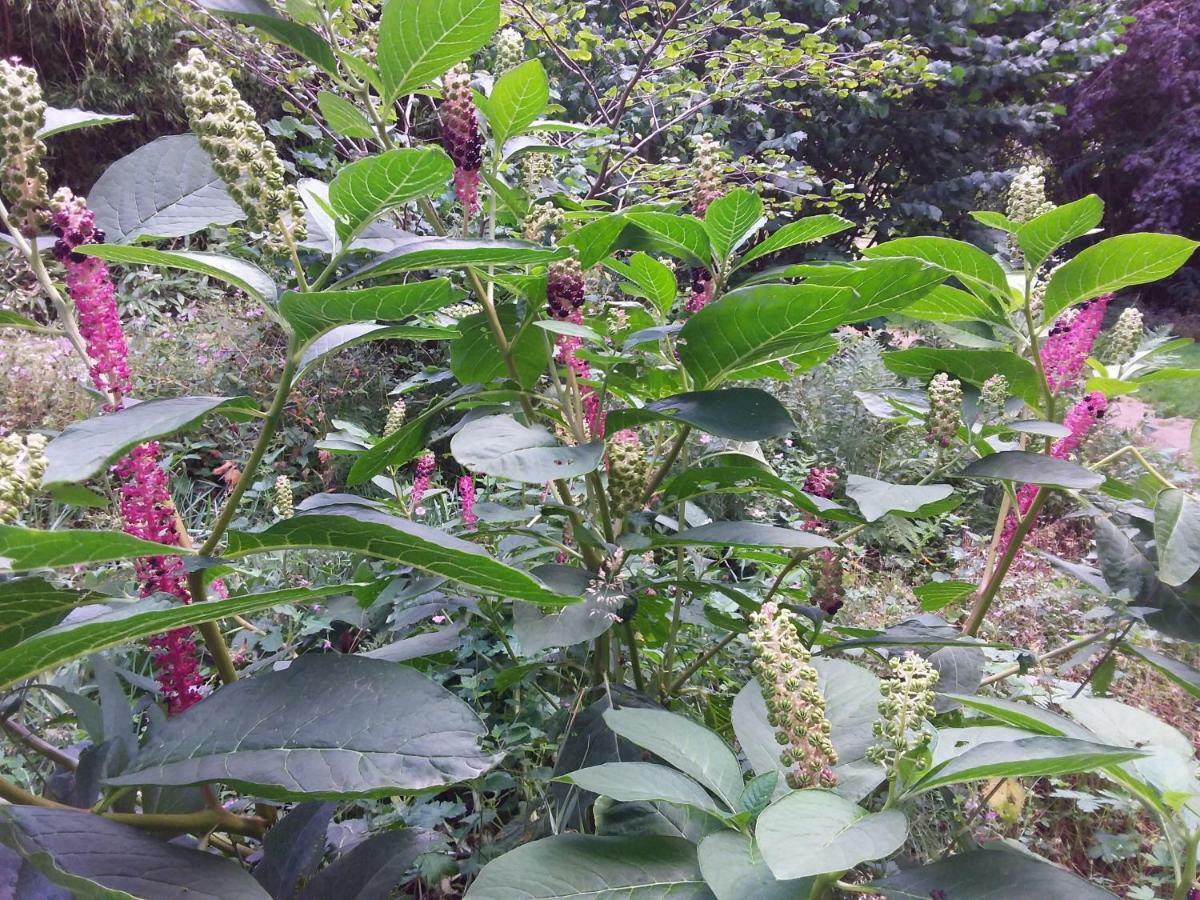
{"x":1137,"y":454}
{"x":983,"y":600}
{"x":635,"y":662}
{"x":1188,"y":877}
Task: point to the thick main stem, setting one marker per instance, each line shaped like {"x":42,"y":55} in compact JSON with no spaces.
{"x":983,"y":601}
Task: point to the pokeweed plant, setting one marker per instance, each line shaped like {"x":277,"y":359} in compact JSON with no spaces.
{"x":573,"y":408}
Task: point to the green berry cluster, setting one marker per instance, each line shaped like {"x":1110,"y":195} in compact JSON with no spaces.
{"x":536,"y":168}
{"x":22,"y":465}
{"x":906,"y":701}
{"x":993,"y":394}
{"x":510,"y":50}
{"x":945,"y":405}
{"x":628,"y":473}
{"x":22,"y":178}
{"x":1125,"y":337}
{"x":795,"y":704}
{"x":395,"y":417}
{"x":285,"y":501}
{"x":541,"y":222}
{"x":241,"y":154}
{"x":1027,"y":195}
{"x":460,"y":310}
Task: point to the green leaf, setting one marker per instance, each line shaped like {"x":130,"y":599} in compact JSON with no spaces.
{"x":502,"y":447}
{"x":583,"y":621}
{"x":1023,"y":715}
{"x":1034,"y":468}
{"x":1041,"y":236}
{"x":731,"y":218}
{"x":85,"y":448}
{"x":1182,"y":674}
{"x":117,"y":622}
{"x":419,"y":40}
{"x":740,"y":414}
{"x":58,"y":121}
{"x":326,"y":727}
{"x":696,"y":481}
{"x":243,"y":275}
{"x":474,"y":358}
{"x":259,"y":14}
{"x":743,"y":534}
{"x":1000,"y":873}
{"x":372,"y":869}
{"x":977,"y":271}
{"x":877,"y":499}
{"x":312,"y":315}
{"x":1115,"y":263}
{"x":163,"y":189}
{"x":689,"y":747}
{"x":366,"y":189}
{"x":1034,"y":757}
{"x":734,"y":868}
{"x":396,"y":449}
{"x":24,"y":549}
{"x":594,"y":240}
{"x":596,"y":868}
{"x":517,"y":99}
{"x":935,"y":595}
{"x":948,"y":304}
{"x":91,"y":858}
{"x":344,"y":117}
{"x":812,"y":832}
{"x":454,"y":253}
{"x":637,"y":781}
{"x":680,"y":236}
{"x":973,"y":366}
{"x":802,"y":231}
{"x":10,"y":319}
{"x":345,"y":336}
{"x":344,"y":526}
{"x":996,"y":220}
{"x":656,"y":280}
{"x":1177,"y":536}
{"x":30,"y":605}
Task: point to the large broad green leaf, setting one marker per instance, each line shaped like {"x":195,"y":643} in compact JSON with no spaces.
{"x":25,"y":549}
{"x":1182,"y":674}
{"x":936,"y":595}
{"x":311,"y":315}
{"x":1034,"y":468}
{"x":812,"y":832}
{"x":502,"y":447}
{"x":744,"y":534}
{"x":949,"y":304}
{"x":57,"y":121}
{"x":94,"y":858}
{"x":654,"y":280}
{"x":85,"y":448}
{"x":1115,"y":263}
{"x":1034,"y":756}
{"x":419,"y":40}
{"x":974,"y":366}
{"x":642,"y":781}
{"x":734,"y":868}
{"x":977,"y":271}
{"x":374,"y":869}
{"x":697,"y":481}
{"x":740,"y":414}
{"x":345,"y":336}
{"x":1003,"y":873}
{"x":596,"y":868}
{"x":164,"y":189}
{"x":583,"y":621}
{"x":1043,"y":235}
{"x":241,"y":274}
{"x":116,"y":622}
{"x":517,"y":99}
{"x":1024,"y":715}
{"x":474,"y":358}
{"x":1177,"y":535}
{"x":366,"y":189}
{"x":259,"y":14}
{"x":326,"y":727}
{"x":343,"y":116}
{"x":877,"y":499}
{"x":689,"y":747}
{"x":357,"y":528}
{"x":30,"y":605}
{"x":680,"y":236}
{"x":294,"y":848}
{"x":802,"y":231}
{"x":454,"y":253}
{"x":594,"y":240}
{"x":731,"y":218}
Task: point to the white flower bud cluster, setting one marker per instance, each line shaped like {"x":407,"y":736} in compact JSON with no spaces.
{"x":992,"y":396}
{"x":906,"y":701}
{"x":945,"y":409}
{"x":285,"y":501}
{"x":536,"y":168}
{"x":395,"y":417}
{"x":22,"y":465}
{"x":1027,"y":195}
{"x":22,"y":178}
{"x":542,"y":220}
{"x":709,"y":186}
{"x":460,"y":310}
{"x":241,"y":154}
{"x":1125,"y":337}
{"x":795,"y":704}
{"x":510,"y":50}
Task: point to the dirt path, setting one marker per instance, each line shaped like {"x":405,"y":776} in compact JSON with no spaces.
{"x":1138,"y":418}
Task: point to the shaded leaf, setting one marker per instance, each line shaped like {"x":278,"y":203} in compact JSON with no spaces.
{"x":243,"y":275}
{"x":313,"y":314}
{"x":743,"y":534}
{"x":642,"y":781}
{"x":294,"y":848}
{"x":1177,"y":536}
{"x":735,"y":870}
{"x":30,"y":605}
{"x":740,"y":414}
{"x":988,"y":874}
{"x":1033,"y":468}
{"x":877,"y":499}
{"x":25,"y":549}
{"x":502,"y":447}
{"x":343,"y":116}
{"x":454,"y":253}
{"x":373,"y":869}
{"x":259,"y":14}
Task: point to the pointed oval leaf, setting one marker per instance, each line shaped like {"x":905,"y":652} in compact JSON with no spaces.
{"x":419,"y":40}
{"x":343,"y":116}
{"x":681,"y":236}
{"x":1041,"y":236}
{"x":743,"y":534}
{"x":241,"y":274}
{"x":1001,"y":873}
{"x":740,"y":414}
{"x":502,"y":447}
{"x":313,"y":314}
{"x":1034,"y":468}
{"x":802,"y":231}
{"x":642,"y":781}
{"x":57,"y":121}
{"x":977,"y":271}
{"x":454,"y":253}
{"x":25,"y":549}
{"x":731,"y":218}
{"x":877,"y":499}
{"x":594,"y":240}
{"x":30,"y":605}
{"x":974,"y":366}
{"x":366,"y":189}
{"x":373,"y":869}
{"x":517,"y":99}
{"x":259,"y":14}
{"x":655,"y":279}
{"x":1177,"y":535}
{"x":734,"y":868}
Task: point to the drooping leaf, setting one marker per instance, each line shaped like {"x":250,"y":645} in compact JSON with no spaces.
{"x":419,"y":40}
{"x":680,"y":236}
{"x":85,"y":448}
{"x":1034,"y":468}
{"x":313,"y":314}
{"x":973,"y":366}
{"x":643,"y":781}
{"x":454,"y":253}
{"x":1177,"y":535}
{"x":1180,"y":673}
{"x":164,"y":189}
{"x":343,"y":116}
{"x":995,"y":220}
{"x":57,"y":121}
{"x":697,"y":481}
{"x":582,"y":866}
{"x":25,"y":549}
{"x":950,"y":304}
{"x":1002,"y":873}
{"x":978,"y":272}
{"x":743,"y":534}
{"x":502,"y":447}
{"x":342,"y":337}
{"x":594,"y":240}
{"x":246,"y":276}
{"x":731,"y":218}
{"x":366,"y":189}
{"x":537,"y":632}
{"x":374,"y":533}
{"x":326,"y":727}
{"x":1044,"y":234}
{"x":30,"y":605}
{"x":116,"y":622}
{"x":474,"y":358}
{"x":259,"y":14}
{"x":373,"y":869}
{"x":802,"y":231}
{"x":740,"y":414}
{"x":294,"y":848}
{"x":734,"y":868}
{"x":94,"y":858}
{"x":1024,"y":715}
{"x":517,"y":99}
{"x":812,"y":832}
{"x":877,"y":499}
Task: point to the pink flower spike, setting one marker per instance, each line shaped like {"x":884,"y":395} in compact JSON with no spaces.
{"x":466,"y":501}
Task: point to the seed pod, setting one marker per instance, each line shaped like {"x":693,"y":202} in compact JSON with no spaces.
{"x":22,"y":465}
{"x":707,"y":173}
{"x":628,"y":473}
{"x":906,"y":701}
{"x":945,"y":409}
{"x":22,"y":178}
{"x":564,"y":289}
{"x":461,"y":137}
{"x":284,"y":499}
{"x":510,"y":50}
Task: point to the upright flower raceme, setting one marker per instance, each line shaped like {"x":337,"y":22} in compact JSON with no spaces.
{"x":1027,"y":195}
{"x":1125,"y":337}
{"x":795,"y":705}
{"x":285,"y":500}
{"x":395,"y":417}
{"x":461,"y":137}
{"x":628,"y":473}
{"x":541,"y":221}
{"x":945,"y":410}
{"x":241,"y":154}
{"x":906,"y":701}
{"x":564,"y":289}
{"x":466,"y":500}
{"x":1070,"y":342}
{"x":707,"y":173}
{"x":423,"y":470}
{"x":22,"y":464}
{"x":993,"y":394}
{"x":510,"y":50}
{"x":22,"y":178}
